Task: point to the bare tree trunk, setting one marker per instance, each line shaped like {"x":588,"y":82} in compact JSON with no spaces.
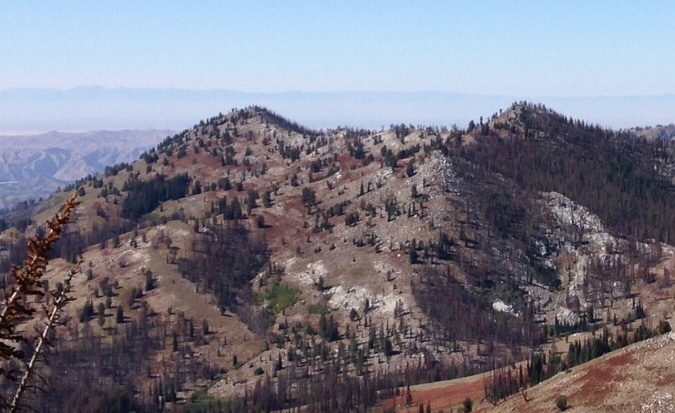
{"x":59,"y":301}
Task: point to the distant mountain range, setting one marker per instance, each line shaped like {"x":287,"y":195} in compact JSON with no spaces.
{"x":96,"y":107}
{"x":33,"y":166}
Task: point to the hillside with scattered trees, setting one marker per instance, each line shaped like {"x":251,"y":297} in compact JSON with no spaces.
{"x":251,"y":264}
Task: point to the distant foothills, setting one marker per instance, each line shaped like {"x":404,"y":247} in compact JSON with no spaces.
{"x":34,"y":110}
{"x":34,"y":166}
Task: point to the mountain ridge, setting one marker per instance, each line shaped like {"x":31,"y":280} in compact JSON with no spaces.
{"x":329,"y":260}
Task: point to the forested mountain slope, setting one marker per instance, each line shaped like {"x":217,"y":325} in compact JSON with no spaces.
{"x":249,"y":263}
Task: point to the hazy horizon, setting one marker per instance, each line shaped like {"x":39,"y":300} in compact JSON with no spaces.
{"x":168,"y":65}
{"x":37,"y":110}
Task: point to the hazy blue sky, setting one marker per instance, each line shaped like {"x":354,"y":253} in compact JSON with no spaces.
{"x":527,"y":48}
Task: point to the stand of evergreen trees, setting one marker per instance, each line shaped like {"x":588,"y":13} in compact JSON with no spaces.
{"x":144,"y":196}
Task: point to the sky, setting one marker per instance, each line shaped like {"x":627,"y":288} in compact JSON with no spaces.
{"x":520,"y":49}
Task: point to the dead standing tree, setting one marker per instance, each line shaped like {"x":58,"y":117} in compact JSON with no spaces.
{"x":18,"y":308}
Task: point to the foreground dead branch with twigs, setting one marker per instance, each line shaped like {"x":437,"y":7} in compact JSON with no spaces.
{"x":18,"y":308}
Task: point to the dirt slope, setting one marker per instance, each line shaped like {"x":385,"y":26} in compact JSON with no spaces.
{"x":638,"y":378}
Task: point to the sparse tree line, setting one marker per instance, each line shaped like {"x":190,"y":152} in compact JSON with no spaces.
{"x":503,"y":382}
